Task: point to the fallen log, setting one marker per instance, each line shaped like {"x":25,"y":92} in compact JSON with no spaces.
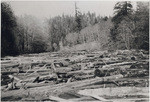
{"x":34,"y":85}
{"x":100,"y":98}
{"x":27,"y":71}
{"x":98,"y":79}
{"x":39,"y":70}
{"x":104,"y":68}
{"x":20,"y":80}
{"x":61,"y":87}
{"x":16,"y":78}
{"x":9,"y":65}
{"x":5,"y":61}
{"x":84,"y":77}
{"x":119,"y":64}
{"x":63,"y":70}
{"x":58,"y":99}
{"x":104,"y":63}
{"x":8,"y":72}
{"x":30,"y":79}
{"x":80,"y":72}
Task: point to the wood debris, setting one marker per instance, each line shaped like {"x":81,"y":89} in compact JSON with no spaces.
{"x":56,"y":73}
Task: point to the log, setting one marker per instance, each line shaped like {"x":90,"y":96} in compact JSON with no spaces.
{"x":38,"y":70}
{"x":26,"y":71}
{"x":32,"y":78}
{"x":104,"y":68}
{"x":84,"y":77}
{"x":34,"y":85}
{"x":120,"y":64}
{"x":63,"y":70}
{"x":80,"y":99}
{"x":5,"y":62}
{"x":16,"y":78}
{"x":57,"y":99}
{"x":69,"y":72}
{"x":64,"y":86}
{"x":100,"y":98}
{"x":104,"y":63}
{"x":129,"y":100}
{"x":9,"y":65}
{"x":80,"y":72}
{"x":8,"y":72}
{"x":98,"y":79}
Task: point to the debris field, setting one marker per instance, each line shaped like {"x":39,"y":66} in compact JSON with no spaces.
{"x":70,"y":76}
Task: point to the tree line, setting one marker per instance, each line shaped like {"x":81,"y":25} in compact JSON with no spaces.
{"x":131,"y":27}
{"x":127,"y":29}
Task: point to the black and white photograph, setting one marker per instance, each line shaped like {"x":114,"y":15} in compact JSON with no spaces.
{"x":74,"y":51}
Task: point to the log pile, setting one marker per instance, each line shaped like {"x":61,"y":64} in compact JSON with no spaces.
{"x":55,"y":71}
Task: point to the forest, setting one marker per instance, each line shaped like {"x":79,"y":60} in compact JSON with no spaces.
{"x":127,"y":29}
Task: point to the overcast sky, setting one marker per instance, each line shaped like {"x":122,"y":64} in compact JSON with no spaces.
{"x":42,"y":9}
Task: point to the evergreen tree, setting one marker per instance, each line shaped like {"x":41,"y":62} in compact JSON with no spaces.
{"x":8,"y":23}
{"x":142,"y":25}
{"x":78,"y":26}
{"x":122,"y":11}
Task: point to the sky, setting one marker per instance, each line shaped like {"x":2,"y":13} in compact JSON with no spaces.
{"x":46,"y":9}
